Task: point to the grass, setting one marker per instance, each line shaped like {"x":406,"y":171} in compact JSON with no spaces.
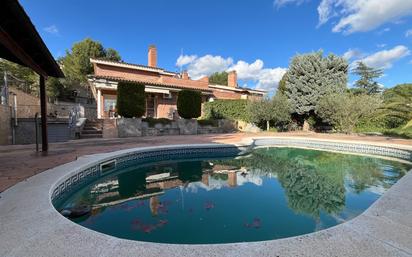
{"x":404,"y":131}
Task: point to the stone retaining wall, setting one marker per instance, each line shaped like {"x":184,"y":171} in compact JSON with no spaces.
{"x":137,"y":128}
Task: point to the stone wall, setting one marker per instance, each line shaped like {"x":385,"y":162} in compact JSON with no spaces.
{"x":5,"y":125}
{"x":137,"y":127}
{"x":58,"y":131}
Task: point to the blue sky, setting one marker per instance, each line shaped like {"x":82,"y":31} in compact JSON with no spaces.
{"x":257,"y":38}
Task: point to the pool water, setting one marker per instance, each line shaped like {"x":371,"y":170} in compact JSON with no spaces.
{"x":269,"y":194}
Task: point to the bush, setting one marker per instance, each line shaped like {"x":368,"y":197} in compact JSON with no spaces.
{"x":345,"y":111}
{"x":275,"y":111}
{"x":131,"y":100}
{"x":189,"y":104}
{"x":227,"y":109}
{"x":208,"y":122}
{"x":153,"y":121}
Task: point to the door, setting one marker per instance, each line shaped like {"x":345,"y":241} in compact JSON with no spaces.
{"x":150,"y":106}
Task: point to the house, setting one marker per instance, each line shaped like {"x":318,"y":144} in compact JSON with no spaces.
{"x":161,"y":86}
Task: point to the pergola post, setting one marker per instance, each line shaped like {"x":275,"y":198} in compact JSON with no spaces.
{"x":43,"y":112}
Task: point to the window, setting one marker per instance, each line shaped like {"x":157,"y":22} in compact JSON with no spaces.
{"x":109,"y":103}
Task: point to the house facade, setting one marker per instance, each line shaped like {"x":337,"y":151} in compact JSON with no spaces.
{"x":161,"y":86}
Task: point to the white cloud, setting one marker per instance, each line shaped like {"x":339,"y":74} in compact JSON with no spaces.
{"x":362,"y":15}
{"x":384,"y":59}
{"x":280,"y":3}
{"x":380,"y":45}
{"x":52,"y":29}
{"x":263,"y":78}
{"x":408,"y":33}
{"x":352,"y":53}
{"x":246,"y":71}
{"x":206,"y":65}
{"x":185,"y":59}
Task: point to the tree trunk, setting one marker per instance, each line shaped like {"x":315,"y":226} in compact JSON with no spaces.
{"x":306,"y":126}
{"x":267,"y":125}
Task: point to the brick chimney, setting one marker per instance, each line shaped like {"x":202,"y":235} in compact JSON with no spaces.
{"x":232,"y":79}
{"x":152,"y":56}
{"x":185,"y":75}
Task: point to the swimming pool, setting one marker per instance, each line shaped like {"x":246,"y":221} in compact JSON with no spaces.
{"x":226,"y":197}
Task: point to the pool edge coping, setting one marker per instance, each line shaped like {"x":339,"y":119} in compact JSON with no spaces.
{"x":372,"y":214}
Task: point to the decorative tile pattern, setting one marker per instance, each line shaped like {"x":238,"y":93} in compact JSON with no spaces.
{"x":338,"y":146}
{"x":90,"y":174}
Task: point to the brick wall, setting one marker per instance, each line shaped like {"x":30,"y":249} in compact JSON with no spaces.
{"x":165,"y":107}
{"x":223,"y":94}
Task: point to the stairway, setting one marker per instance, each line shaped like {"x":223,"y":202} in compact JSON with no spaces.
{"x":92,"y":129}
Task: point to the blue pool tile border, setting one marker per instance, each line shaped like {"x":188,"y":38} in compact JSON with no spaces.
{"x":93,"y":172}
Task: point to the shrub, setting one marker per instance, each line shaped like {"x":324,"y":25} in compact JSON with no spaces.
{"x":208,"y":122}
{"x":189,"y":104}
{"x":131,"y":100}
{"x":227,"y":109}
{"x":345,"y":111}
{"x":275,"y":110}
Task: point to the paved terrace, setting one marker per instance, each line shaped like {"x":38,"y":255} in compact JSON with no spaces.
{"x":19,"y":162}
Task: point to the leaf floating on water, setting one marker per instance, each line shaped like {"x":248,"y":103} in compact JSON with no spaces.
{"x":209,"y":205}
{"x":256,"y":223}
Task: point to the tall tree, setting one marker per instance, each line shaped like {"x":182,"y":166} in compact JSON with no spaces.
{"x":367,"y":81}
{"x":219,"y":78}
{"x":282,"y":85}
{"x":112,"y":55}
{"x":76,"y":64}
{"x":311,"y":76}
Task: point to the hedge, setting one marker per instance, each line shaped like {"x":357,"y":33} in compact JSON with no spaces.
{"x":227,"y":109}
{"x":189,"y":104}
{"x":131,"y":100}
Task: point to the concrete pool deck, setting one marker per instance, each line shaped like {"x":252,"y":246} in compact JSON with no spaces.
{"x":19,"y":162}
{"x":30,"y":226}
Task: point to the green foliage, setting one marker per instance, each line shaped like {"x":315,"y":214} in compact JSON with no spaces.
{"x":282,"y":85}
{"x":112,"y":55}
{"x":76,"y":63}
{"x":311,"y":76}
{"x":208,"y":122}
{"x":344,"y":111}
{"x":153,"y":121}
{"x":189,"y":104}
{"x":402,"y":132}
{"x":219,"y":78}
{"x":227,"y":109}
{"x":397,"y":108}
{"x":367,"y":75}
{"x":19,"y":76}
{"x":131,"y":100}
{"x":276,"y":110}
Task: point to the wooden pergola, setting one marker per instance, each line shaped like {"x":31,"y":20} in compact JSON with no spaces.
{"x":21,"y":43}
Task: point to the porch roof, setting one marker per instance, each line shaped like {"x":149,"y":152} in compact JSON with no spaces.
{"x":153,"y":83}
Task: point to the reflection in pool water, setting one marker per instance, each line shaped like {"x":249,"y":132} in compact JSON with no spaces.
{"x":272,"y":193}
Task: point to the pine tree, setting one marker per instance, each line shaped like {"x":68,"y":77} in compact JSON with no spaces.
{"x":311,"y":76}
{"x":367,"y":76}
